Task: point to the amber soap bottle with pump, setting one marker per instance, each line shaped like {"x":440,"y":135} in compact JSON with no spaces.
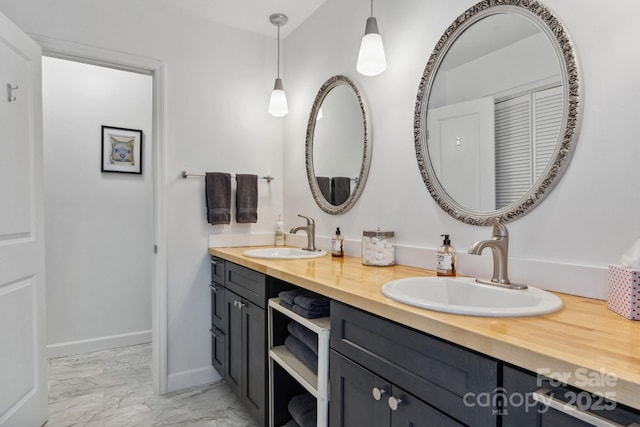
{"x":446,"y":258}
{"x":337,"y":244}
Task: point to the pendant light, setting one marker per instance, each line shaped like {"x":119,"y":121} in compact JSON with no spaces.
{"x":278,"y":103}
{"x":371,"y":59}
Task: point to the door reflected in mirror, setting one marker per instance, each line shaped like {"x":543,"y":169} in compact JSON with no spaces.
{"x":338,"y":146}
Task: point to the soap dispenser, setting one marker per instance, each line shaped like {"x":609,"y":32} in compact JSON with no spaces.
{"x":279,"y":235}
{"x":337,"y":244}
{"x":446,"y":258}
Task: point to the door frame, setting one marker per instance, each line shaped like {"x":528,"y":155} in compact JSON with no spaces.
{"x":123,"y":61}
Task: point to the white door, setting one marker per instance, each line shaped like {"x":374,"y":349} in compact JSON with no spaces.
{"x":461,"y":148}
{"x":23,"y":363}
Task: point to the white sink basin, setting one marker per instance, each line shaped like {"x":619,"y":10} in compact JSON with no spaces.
{"x":283,"y":253}
{"x":462,"y":295}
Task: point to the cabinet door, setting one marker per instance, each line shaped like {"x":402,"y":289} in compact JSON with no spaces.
{"x":233,"y":369}
{"x":254,"y":363}
{"x":408,"y":411}
{"x":351,"y":395}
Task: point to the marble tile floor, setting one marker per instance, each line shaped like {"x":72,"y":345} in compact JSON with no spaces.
{"x":113,"y":388}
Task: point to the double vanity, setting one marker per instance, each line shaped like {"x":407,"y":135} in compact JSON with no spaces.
{"x":450,"y":368}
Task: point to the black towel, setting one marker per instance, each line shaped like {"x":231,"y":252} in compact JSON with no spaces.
{"x":307,"y":336}
{"x":324,"y":183}
{"x":340,"y":189}
{"x":304,"y":410}
{"x":246,"y":198}
{"x":302,"y":353}
{"x":218,"y":197}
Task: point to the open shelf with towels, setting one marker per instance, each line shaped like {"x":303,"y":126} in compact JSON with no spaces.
{"x":316,"y":384}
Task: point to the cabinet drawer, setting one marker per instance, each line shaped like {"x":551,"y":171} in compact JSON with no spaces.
{"x":521,"y":410}
{"x":247,"y":283}
{"x":218,"y":352}
{"x":217,"y":270}
{"x":218,"y":305}
{"x":439,"y":373}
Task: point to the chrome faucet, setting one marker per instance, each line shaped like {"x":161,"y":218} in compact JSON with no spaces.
{"x":310,"y":229}
{"x":499,"y":245}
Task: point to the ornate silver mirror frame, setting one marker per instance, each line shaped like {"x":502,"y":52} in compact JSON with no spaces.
{"x":572,"y":109}
{"x":360,"y":180}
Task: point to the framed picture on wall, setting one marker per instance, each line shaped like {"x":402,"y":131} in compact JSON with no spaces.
{"x":121,"y":150}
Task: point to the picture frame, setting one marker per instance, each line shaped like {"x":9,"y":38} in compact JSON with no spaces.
{"x":121,"y":150}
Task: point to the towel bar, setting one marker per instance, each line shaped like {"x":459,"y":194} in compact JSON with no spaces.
{"x":186,"y":174}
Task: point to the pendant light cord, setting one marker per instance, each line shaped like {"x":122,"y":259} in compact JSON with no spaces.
{"x":371,"y":7}
{"x":279,"y":50}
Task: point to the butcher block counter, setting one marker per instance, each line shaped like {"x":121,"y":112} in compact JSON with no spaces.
{"x":586,"y":344}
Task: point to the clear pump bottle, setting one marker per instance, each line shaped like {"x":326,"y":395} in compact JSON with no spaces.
{"x":279,"y":232}
{"x":446,"y":258}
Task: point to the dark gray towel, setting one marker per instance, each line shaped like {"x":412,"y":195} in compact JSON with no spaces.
{"x":304,"y":410}
{"x":286,"y":304}
{"x":246,"y":198}
{"x":292,"y":423}
{"x":218,"y":197}
{"x":310,"y":314}
{"x":324,"y":183}
{"x":307,"y":336}
{"x":288,"y":296}
{"x":302,"y":353}
{"x":340,"y":189}
{"x":311,"y":301}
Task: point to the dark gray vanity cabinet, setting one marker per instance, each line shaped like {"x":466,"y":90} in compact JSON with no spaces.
{"x":386,"y":374}
{"x":239,"y":331}
{"x":583,"y":409}
{"x":218,"y":307}
{"x":247,"y":353}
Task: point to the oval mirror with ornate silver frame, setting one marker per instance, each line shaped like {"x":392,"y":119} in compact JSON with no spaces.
{"x":448,"y":91}
{"x":338,"y":145}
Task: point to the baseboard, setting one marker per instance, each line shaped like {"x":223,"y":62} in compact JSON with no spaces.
{"x":192,"y":378}
{"x":70,"y":348}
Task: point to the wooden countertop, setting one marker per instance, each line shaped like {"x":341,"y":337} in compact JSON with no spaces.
{"x":584,"y":341}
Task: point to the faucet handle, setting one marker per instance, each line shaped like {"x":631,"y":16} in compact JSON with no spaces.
{"x":308,"y":218}
{"x":499,"y":230}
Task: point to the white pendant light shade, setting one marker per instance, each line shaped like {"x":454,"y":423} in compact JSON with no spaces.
{"x":371,"y":59}
{"x":278,"y":103}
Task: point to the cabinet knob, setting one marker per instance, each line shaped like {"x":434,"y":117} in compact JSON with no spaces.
{"x":394,"y":402}
{"x":238,"y":304}
{"x":213,"y":288}
{"x":378,"y":392}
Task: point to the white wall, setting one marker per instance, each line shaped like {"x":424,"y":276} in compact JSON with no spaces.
{"x":588,"y":221}
{"x":99,"y":227}
{"x":218,"y":82}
